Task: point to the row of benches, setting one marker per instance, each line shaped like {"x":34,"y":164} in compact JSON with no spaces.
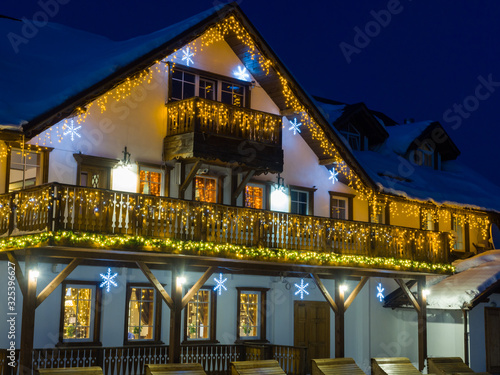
{"x":339,"y":366}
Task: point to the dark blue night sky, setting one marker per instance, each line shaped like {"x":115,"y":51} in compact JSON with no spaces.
{"x":424,"y":62}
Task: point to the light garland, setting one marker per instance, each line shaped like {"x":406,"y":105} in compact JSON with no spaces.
{"x":200,"y":248}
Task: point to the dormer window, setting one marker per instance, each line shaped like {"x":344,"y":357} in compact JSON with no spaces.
{"x":427,"y":156}
{"x":353,"y":137}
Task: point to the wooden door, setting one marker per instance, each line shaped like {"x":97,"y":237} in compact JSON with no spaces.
{"x":312,"y":328}
{"x":491,"y":328}
{"x":95,"y":177}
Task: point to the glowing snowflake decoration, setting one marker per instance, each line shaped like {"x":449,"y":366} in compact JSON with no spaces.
{"x":72,"y":130}
{"x":220,"y":284}
{"x":333,"y":175}
{"x":295,"y":126}
{"x":380,"y":294}
{"x":241,"y":73}
{"x":187,"y":54}
{"x":108,"y":280}
{"x":301,"y":289}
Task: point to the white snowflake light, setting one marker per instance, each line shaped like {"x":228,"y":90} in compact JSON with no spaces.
{"x":242,"y":74}
{"x":333,"y":175}
{"x":72,"y":130}
{"x":220,"y":284}
{"x":295,"y":126}
{"x":187,"y":56}
{"x":380,"y":294}
{"x":108,"y":280}
{"x":302,"y":289}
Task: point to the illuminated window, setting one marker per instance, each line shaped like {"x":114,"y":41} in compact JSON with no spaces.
{"x":205,"y":189}
{"x":232,"y":94}
{"x":300,"y":202}
{"x":25,"y":170}
{"x":429,"y":221}
{"x":200,"y":316}
{"x":458,"y":228}
{"x":79,"y":318}
{"x":141,"y":313}
{"x":251,"y":314}
{"x":254,"y":196}
{"x":339,"y":208}
{"x":377,"y":213}
{"x":207,"y":89}
{"x":150,"y":181}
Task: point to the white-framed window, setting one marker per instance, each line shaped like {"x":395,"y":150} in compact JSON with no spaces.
{"x":377,"y":213}
{"x":353,"y":136}
{"x":200,"y":316}
{"x":141,"y":313}
{"x":299,"y":201}
{"x":25,"y":169}
{"x":251,"y":322}
{"x":151,"y":181}
{"x":78,"y":320}
{"x":339,"y":208}
{"x":188,"y":84}
{"x":458,"y":228}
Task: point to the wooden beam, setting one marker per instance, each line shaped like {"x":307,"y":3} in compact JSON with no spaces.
{"x":327,"y":161}
{"x":19,"y":272}
{"x":57,"y":281}
{"x":28,"y":320}
{"x":242,"y":185}
{"x":409,"y":294}
{"x":196,"y":287}
{"x":175,"y":317}
{"x":339,"y":320}
{"x":325,"y":293}
{"x":189,"y":178}
{"x":355,"y":292}
{"x":422,"y":325}
{"x":153,"y":280}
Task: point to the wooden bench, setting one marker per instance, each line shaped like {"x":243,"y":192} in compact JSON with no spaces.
{"x":337,"y":366}
{"x":268,"y":367}
{"x":175,"y":368}
{"x":395,"y":366}
{"x":449,"y":366}
{"x":94,"y":370}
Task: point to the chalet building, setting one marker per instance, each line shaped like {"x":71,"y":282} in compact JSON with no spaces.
{"x":178,"y":197}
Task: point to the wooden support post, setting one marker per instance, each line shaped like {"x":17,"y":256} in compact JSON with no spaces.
{"x":28,"y":318}
{"x":241,"y":186}
{"x":189,"y":178}
{"x":21,"y":280}
{"x":325,"y":292}
{"x":339,"y":319}
{"x":466,"y":337}
{"x":175,"y":316}
{"x":196,"y":287}
{"x":422,"y":325}
{"x":57,"y":281}
{"x":153,"y":280}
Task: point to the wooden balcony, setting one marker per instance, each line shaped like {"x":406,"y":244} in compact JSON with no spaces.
{"x":130,"y":360}
{"x":81,"y":209}
{"x":204,"y":129}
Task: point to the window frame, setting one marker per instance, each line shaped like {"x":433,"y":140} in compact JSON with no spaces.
{"x":219,"y":79}
{"x":90,"y":161}
{"x":348,"y":134}
{"x":96,"y":331}
{"x":44,"y":162}
{"x":350,"y":205}
{"x":465,"y":234}
{"x":157,"y":303}
{"x":164,"y":170}
{"x":213,"y":320}
{"x":310,"y":198}
{"x":263,"y":186}
{"x":262,"y":314}
{"x":383,"y":213}
{"x":218,"y":184}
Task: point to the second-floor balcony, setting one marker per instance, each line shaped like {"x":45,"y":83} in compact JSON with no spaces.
{"x":205,"y":129}
{"x":55,"y":207}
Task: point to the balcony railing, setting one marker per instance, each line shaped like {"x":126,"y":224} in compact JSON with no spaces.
{"x":130,"y":360}
{"x":204,"y":129}
{"x":82,"y":209}
{"x":208,"y":116}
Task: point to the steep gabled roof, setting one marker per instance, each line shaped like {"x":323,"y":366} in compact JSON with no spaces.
{"x":73,"y":74}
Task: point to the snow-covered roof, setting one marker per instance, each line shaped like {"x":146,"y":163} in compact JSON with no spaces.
{"x":402,"y":136}
{"x":60,"y":62}
{"x":473,"y":277}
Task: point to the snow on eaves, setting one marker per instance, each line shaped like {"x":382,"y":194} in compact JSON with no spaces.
{"x":59,"y":62}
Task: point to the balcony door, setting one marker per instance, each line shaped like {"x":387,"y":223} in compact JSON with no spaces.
{"x":312,"y":328}
{"x":95,"y":177}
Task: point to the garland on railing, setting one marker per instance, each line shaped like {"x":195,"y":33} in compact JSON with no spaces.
{"x":201,"y":248}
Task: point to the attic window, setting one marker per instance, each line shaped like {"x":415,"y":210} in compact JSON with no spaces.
{"x":353,"y":137}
